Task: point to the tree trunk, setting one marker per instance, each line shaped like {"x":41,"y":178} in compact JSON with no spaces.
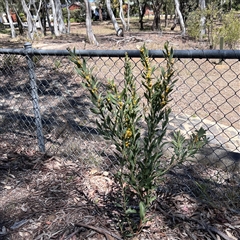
{"x":48,"y":19}
{"x":13,"y":33}
{"x":20,"y":23}
{"x":121,"y":15}
{"x":156,"y":26}
{"x":119,"y":31}
{"x":177,"y":5}
{"x":61,"y":24}
{"x":90,"y":36}
{"x":202,"y":6}
{"x":175,"y":20}
{"x":68,"y":17}
{"x":31,"y":24}
{"x":165,"y":8}
{"x":55,"y":22}
{"x":128,"y":16}
{"x":100,"y":13}
{"x":141,"y":12}
{"x":37,"y":14}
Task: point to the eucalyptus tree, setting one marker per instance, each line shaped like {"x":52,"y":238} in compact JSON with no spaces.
{"x":59,"y":15}
{"x":13,"y":33}
{"x":119,"y":31}
{"x":54,"y":15}
{"x":202,"y":5}
{"x":168,"y":8}
{"x":68,"y":16}
{"x":37,"y":10}
{"x":90,"y":35}
{"x":156,"y":4}
{"x":142,"y":5}
{"x":121,"y":15}
{"x":58,"y":23}
{"x":31,"y":24}
{"x":179,"y":13}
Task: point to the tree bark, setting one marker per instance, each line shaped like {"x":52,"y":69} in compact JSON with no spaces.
{"x":202,"y":6}
{"x":90,"y":36}
{"x":177,"y":5}
{"x":121,"y":15}
{"x":48,"y":19}
{"x":31,"y":24}
{"x":55,"y":22}
{"x":13,"y":33}
{"x":59,"y":15}
{"x":100,"y":13}
{"x":128,"y":16}
{"x":37,"y":14}
{"x":119,"y":31}
{"x":141,"y":12}
{"x":68,"y":17}
{"x":156,"y":26}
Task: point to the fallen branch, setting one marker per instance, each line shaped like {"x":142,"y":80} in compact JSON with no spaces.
{"x":107,"y":234}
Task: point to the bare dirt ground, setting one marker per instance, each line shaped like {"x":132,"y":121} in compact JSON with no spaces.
{"x":46,"y":197}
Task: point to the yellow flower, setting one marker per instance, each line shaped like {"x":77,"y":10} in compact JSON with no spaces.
{"x":148,"y":75}
{"x":94,"y":90}
{"x":128,"y":134}
{"x":120,"y":104}
{"x":127,"y":144}
{"x":87,"y":77}
{"x":79,"y":63}
{"x":163,"y":103}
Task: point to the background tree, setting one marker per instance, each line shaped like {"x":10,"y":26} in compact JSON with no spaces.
{"x":90,"y":36}
{"x":13,"y":33}
{"x":68,"y":16}
{"x":177,"y":6}
{"x":37,"y":10}
{"x":119,"y":31}
{"x":121,"y":15}
{"x":168,"y":8}
{"x":55,"y":22}
{"x":59,"y":16}
{"x":31,"y":24}
{"x":202,"y":5}
{"x":156,"y":4}
{"x":142,"y":5}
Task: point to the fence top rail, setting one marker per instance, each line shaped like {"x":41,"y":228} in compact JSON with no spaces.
{"x":204,"y":54}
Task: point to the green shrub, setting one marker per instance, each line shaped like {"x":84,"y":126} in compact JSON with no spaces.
{"x":193,"y":24}
{"x":77,"y":15}
{"x":230,"y":29}
{"x":22,"y":17}
{"x":139,"y":154}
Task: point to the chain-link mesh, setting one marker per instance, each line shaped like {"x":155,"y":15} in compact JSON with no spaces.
{"x":206,"y":94}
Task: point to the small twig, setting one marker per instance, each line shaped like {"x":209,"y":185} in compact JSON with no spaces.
{"x":106,"y":233}
{"x":206,"y":227}
{"x":221,"y":234}
{"x":72,"y":234}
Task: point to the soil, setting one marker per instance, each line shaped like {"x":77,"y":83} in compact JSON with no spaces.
{"x":48,"y":197}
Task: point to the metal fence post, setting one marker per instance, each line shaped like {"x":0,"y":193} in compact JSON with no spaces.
{"x":34,"y":93}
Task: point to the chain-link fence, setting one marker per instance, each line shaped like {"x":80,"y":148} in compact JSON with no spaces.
{"x":44,"y":106}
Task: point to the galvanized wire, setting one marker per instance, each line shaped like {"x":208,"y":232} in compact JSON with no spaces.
{"x":206,"y":94}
